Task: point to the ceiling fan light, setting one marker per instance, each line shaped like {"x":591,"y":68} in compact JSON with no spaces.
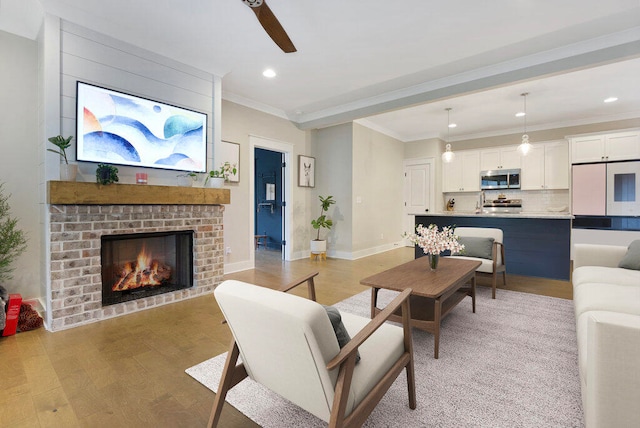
{"x":269,"y":73}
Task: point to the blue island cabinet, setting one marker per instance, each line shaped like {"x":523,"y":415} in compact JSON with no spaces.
{"x":539,"y":247}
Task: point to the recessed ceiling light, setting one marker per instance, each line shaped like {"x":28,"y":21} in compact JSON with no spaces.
{"x":521,"y":114}
{"x":611,"y":99}
{"x":269,"y":73}
{"x":452,"y":125}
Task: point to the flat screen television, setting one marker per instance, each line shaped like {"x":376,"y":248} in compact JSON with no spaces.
{"x":117,"y":128}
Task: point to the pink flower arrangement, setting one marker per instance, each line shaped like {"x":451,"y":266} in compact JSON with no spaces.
{"x":433,"y":241}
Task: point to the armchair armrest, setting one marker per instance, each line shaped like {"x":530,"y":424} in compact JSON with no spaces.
{"x":350,"y":348}
{"x":310,"y":285}
{"x":498,"y":250}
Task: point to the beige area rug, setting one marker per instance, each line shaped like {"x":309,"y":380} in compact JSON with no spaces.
{"x":511,"y":364}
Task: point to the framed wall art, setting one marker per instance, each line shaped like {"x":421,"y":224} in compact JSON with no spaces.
{"x":306,"y":171}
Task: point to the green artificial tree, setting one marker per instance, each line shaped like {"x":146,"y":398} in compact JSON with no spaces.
{"x":323,"y":221}
{"x":13,"y":241}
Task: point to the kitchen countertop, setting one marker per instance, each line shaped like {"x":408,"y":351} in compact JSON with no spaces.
{"x":524,"y":214}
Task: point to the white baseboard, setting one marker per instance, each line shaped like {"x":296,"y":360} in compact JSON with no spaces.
{"x":345,"y":255}
{"x":238,"y":266}
{"x":355,"y":255}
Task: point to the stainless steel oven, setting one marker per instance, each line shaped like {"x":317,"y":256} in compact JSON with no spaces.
{"x":500,"y":179}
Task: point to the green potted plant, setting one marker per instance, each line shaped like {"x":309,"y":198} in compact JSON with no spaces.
{"x":68,"y":171}
{"x":106,"y":174}
{"x":217,"y":177}
{"x":13,"y":241}
{"x":319,"y":246}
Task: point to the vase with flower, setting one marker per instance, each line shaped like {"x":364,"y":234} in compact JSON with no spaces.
{"x":434,"y":242}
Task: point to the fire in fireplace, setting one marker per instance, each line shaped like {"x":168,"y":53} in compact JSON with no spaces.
{"x":145,"y":264}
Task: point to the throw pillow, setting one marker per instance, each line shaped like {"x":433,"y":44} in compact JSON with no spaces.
{"x":477,"y":247}
{"x":339,"y":329}
{"x":631,"y":260}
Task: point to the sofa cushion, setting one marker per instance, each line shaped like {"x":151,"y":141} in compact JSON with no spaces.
{"x":339,"y":329}
{"x":605,"y":275}
{"x":631,"y":260}
{"x":606,"y":297}
{"x":477,"y":247}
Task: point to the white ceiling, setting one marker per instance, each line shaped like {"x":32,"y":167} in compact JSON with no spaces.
{"x":358,"y":59}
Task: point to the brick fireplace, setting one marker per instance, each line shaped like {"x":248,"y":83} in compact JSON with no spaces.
{"x":76,"y":230}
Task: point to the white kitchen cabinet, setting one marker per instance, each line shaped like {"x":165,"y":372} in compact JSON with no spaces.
{"x":606,"y":147}
{"x":546,"y":166}
{"x":533,"y":173}
{"x":463,"y":173}
{"x":500,"y":158}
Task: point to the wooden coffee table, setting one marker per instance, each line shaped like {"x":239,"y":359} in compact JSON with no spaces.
{"x":435,"y":293}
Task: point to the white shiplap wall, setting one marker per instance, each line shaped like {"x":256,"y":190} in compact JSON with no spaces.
{"x":101,"y":60}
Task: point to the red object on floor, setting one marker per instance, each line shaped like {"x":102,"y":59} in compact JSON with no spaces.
{"x":13,"y":311}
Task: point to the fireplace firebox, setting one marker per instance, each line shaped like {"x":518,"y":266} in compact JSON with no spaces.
{"x":145,"y":264}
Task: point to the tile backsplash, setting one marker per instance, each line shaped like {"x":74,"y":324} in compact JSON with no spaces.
{"x":532,"y":200}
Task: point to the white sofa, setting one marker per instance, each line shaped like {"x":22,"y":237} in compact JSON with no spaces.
{"x":607,"y":309}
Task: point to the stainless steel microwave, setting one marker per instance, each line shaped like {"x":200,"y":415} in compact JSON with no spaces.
{"x":500,"y":179}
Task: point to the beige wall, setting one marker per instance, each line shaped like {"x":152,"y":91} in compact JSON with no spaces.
{"x":377,"y":190}
{"x":20,"y":163}
{"x":545,"y":135}
{"x":238,"y":123}
{"x":333,"y":150}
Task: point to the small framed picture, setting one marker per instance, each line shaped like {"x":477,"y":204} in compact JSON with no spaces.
{"x":306,"y":171}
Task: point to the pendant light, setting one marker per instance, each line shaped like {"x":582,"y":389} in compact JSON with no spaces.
{"x":448,"y":155}
{"x":524,"y":146}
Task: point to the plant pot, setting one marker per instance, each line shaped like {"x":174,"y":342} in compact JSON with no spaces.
{"x":68,"y":172}
{"x":215,"y":182}
{"x":318,"y":246}
{"x":185,"y":181}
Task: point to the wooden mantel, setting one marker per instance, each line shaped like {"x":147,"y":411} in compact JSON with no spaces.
{"x":79,"y":193}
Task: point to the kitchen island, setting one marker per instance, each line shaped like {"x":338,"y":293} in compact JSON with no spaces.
{"x":535,"y":244}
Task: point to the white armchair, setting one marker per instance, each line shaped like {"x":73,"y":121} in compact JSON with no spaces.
{"x":493,"y":257}
{"x":287,"y":343}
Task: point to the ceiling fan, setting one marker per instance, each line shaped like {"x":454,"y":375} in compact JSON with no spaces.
{"x":271,"y":25}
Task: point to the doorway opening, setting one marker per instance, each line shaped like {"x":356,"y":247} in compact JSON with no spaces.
{"x":268,"y":201}
{"x":280,"y":189}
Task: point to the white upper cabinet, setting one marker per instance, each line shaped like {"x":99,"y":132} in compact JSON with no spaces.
{"x":606,"y":147}
{"x":500,"y":158}
{"x":546,"y":166}
{"x":556,"y":165}
{"x":463,"y":173}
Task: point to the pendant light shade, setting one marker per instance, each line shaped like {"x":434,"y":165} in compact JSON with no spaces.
{"x":524,"y":146}
{"x":448,"y":155}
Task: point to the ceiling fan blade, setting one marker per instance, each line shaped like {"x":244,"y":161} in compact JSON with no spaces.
{"x":271,"y":25}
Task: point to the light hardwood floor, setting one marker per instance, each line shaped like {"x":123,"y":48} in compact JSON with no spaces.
{"x":129,"y":371}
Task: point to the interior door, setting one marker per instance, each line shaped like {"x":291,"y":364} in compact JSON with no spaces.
{"x":417,"y":184}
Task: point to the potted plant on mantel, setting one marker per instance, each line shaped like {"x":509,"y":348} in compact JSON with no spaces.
{"x":106,"y":174}
{"x":319,"y":246}
{"x":217,"y":177}
{"x":68,"y":171}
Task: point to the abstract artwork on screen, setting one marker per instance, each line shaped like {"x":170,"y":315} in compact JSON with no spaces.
{"x":118,"y":128}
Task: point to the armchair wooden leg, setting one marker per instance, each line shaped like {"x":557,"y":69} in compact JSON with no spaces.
{"x":230,"y":378}
{"x":494,"y":284}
